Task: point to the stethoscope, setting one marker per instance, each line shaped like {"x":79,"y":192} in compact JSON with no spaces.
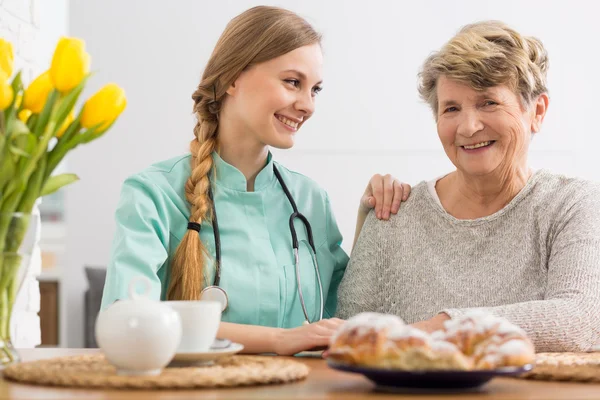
{"x":215,"y":292}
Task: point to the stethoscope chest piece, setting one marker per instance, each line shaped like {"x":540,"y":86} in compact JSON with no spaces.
{"x":215,"y":293}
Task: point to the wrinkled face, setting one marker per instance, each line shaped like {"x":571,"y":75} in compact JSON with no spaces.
{"x":273,"y":99}
{"x":487,"y":131}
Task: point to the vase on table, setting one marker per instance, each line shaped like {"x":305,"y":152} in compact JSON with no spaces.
{"x":18,"y":239}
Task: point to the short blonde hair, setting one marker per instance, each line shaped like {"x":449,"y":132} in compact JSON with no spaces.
{"x":487,"y":54}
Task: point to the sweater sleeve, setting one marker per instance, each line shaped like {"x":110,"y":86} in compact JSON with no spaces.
{"x":334,"y":243}
{"x":358,"y":291}
{"x":568,"y":318}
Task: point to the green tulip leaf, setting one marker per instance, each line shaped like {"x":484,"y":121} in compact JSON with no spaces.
{"x":42,"y":121}
{"x":19,"y":128}
{"x":17,"y":151}
{"x":68,"y":102}
{"x":57,"y":181}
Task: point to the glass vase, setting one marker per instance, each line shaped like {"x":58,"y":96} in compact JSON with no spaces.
{"x":17,"y":242}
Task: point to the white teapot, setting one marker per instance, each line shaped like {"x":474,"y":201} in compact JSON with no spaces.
{"x":138,"y":335}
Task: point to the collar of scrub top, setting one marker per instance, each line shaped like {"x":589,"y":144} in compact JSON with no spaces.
{"x":232,"y":178}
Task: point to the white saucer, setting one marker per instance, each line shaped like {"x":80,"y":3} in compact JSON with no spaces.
{"x":206,"y":357}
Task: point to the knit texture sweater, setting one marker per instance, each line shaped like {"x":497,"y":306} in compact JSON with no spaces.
{"x":535,"y":262}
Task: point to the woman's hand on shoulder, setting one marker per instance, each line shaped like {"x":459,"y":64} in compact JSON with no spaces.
{"x":384,"y":194}
{"x":306,"y":337}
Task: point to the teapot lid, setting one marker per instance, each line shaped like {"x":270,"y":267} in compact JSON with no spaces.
{"x":147,"y":287}
{"x":139,"y":303}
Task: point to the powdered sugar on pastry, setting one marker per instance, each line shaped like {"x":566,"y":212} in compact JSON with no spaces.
{"x":514,"y":352}
{"x":406,"y":331}
{"x":474,"y":340}
{"x":438,"y":335}
{"x":514,"y":347}
{"x":414,"y":335}
{"x":365,"y":322}
{"x":479,"y":323}
{"x":443,"y":346}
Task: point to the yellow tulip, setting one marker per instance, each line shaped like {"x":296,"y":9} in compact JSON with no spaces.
{"x":24,"y":115}
{"x":6,"y":95}
{"x":6,"y":91}
{"x":103,"y":107}
{"x":7,"y":57}
{"x":18,"y":100}
{"x":65,"y":124}
{"x":70,"y":64}
{"x":37,"y":93}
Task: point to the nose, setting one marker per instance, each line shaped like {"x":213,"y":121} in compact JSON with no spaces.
{"x":470,"y":123}
{"x":305,"y":103}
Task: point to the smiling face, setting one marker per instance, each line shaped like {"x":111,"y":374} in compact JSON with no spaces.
{"x":271,"y":100}
{"x":485,"y":131}
{"x":487,"y":89}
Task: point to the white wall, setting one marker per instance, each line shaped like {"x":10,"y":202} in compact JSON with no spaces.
{"x":33,"y":27}
{"x":369,"y":117}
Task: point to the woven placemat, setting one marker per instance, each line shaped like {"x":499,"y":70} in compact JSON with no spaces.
{"x":94,"y":371}
{"x":576,"y":367}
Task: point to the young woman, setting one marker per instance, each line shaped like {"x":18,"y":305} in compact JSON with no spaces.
{"x":226,"y":221}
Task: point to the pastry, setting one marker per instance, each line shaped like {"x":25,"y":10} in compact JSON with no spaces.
{"x":492,"y":342}
{"x":470,"y":342}
{"x":385,"y":341}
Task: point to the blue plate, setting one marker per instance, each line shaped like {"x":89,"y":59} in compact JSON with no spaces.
{"x":453,"y":380}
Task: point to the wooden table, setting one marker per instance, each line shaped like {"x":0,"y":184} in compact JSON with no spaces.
{"x":322,"y":383}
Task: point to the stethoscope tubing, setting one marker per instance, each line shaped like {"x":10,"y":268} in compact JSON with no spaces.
{"x":295,"y":246}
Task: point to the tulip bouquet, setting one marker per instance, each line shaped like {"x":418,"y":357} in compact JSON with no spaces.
{"x":39,"y":125}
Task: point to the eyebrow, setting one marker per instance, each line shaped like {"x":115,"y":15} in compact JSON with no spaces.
{"x":301,"y":75}
{"x":488,"y":93}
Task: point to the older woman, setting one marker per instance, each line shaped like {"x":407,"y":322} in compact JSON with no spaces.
{"x":493,"y":234}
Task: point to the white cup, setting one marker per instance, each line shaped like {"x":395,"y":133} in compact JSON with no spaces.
{"x":199,"y":324}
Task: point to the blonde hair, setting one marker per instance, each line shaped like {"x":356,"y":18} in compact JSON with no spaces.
{"x":257,"y":35}
{"x":487,"y":54}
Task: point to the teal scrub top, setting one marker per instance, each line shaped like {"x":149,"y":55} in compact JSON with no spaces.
{"x":257,"y":270}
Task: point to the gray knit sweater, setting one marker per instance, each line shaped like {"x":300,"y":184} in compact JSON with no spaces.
{"x":536,"y":262}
